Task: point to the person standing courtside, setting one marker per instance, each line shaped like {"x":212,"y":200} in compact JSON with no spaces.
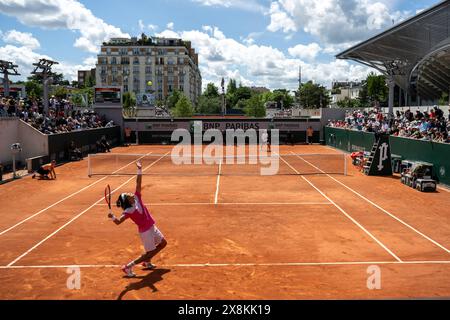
{"x":310,"y":135}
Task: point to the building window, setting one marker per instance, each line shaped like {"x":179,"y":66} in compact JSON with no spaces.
{"x":123,"y":51}
{"x":148,"y":70}
{"x":136,"y":51}
{"x":135,"y":69}
{"x":108,"y":50}
{"x":136,"y":60}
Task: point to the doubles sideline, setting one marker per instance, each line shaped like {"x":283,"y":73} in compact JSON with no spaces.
{"x":381,"y":244}
{"x":379,"y":207}
{"x":65,"y":198}
{"x":80,"y":214}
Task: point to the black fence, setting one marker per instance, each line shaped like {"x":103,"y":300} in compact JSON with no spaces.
{"x":86,"y":141}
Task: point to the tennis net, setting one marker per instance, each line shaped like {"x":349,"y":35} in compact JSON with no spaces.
{"x":110,"y":164}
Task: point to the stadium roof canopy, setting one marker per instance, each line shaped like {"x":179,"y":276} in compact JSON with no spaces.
{"x":415,"y":52}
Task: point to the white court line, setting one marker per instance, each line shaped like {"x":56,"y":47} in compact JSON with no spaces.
{"x":382,"y":209}
{"x":79,"y":215}
{"x":64,"y":199}
{"x":216,"y":198}
{"x":221,"y":265}
{"x":173,"y":204}
{"x":345,"y":213}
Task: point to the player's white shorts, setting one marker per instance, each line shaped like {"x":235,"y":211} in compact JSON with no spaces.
{"x":151,"y":238}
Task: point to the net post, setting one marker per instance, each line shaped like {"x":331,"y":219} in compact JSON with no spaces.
{"x":345,"y":164}
{"x":89,"y":166}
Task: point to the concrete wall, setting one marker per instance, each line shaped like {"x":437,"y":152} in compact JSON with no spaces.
{"x":8,"y":135}
{"x":33,"y":142}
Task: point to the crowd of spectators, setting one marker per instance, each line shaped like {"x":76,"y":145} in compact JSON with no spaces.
{"x":427,"y":126}
{"x":60,"y":118}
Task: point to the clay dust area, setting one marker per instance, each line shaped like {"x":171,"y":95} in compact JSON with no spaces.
{"x":232,"y":234}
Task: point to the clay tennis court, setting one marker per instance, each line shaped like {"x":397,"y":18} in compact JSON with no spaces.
{"x":302,"y":234}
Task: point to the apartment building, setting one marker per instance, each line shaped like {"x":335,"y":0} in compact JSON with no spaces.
{"x":150,"y":65}
{"x":83,"y":75}
{"x":345,"y":90}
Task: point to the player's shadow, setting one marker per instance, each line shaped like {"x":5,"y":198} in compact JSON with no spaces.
{"x":147,"y":281}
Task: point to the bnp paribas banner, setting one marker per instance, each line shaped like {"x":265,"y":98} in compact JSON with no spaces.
{"x":256,"y":125}
{"x":164,"y":125}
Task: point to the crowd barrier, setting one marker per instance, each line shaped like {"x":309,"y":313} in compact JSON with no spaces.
{"x":408,"y":149}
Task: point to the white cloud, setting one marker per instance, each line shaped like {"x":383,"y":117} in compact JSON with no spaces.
{"x":260,"y":65}
{"x":24,"y":57}
{"x":308,"y":52}
{"x":170,"y":25}
{"x":152,"y":27}
{"x":279,"y":20}
{"x":63,"y":14}
{"x":248,"y":5}
{"x":333,"y":21}
{"x":21,"y":38}
{"x":141,"y":25}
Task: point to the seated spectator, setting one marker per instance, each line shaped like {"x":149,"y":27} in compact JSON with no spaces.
{"x":75,"y":154}
{"x":425,"y":126}
{"x":103,"y":145}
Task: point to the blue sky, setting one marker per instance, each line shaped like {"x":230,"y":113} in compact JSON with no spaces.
{"x":259,"y":42}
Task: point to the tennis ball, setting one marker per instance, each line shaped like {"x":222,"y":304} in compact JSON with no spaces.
{"x":149,"y":83}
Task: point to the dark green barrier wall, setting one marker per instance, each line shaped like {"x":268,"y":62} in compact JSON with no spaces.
{"x":408,"y":149}
{"x":349,"y":140}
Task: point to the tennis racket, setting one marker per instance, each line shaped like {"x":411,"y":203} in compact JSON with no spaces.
{"x":108,"y":197}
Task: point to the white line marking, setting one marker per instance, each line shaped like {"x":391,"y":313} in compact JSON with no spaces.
{"x":77,"y":216}
{"x":382,"y":209}
{"x":346,"y":214}
{"x":216,"y":198}
{"x":64,"y":199}
{"x":219,"y":265}
{"x":173,"y":204}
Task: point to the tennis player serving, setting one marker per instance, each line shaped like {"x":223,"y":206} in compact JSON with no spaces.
{"x":151,"y":237}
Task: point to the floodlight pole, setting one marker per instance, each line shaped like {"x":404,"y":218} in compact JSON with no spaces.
{"x":44,"y":69}
{"x":7,"y":68}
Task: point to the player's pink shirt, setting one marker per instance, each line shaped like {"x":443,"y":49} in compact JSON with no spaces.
{"x":139,"y":214}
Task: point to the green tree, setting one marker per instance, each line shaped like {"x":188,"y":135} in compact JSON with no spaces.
{"x":34,"y":89}
{"x":231,"y":94}
{"x":173,"y":99}
{"x":129,"y":100}
{"x":255,"y":107}
{"x":89,"y":82}
{"x":209,"y":105}
{"x":60,"y":92}
{"x":242,"y":93}
{"x":314,"y":96}
{"x":377,"y":90}
{"x":282,"y":98}
{"x":444,"y":99}
{"x":183,"y":107}
{"x":211,"y":91}
{"x":58,"y":78}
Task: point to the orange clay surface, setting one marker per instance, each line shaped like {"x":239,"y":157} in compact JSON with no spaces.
{"x":268,"y":237}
